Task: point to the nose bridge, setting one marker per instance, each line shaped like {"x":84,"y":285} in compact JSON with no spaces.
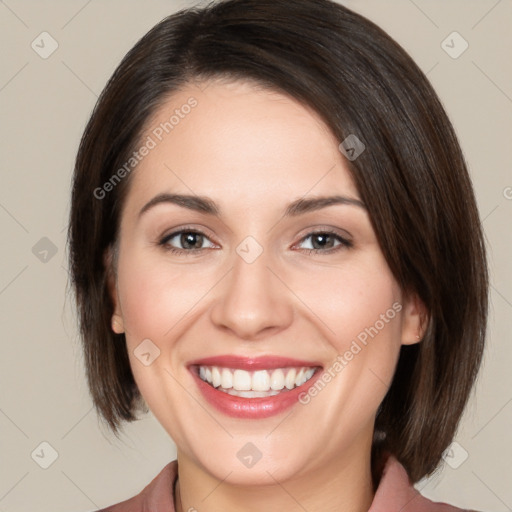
{"x":250,"y":277}
{"x":252,"y":299}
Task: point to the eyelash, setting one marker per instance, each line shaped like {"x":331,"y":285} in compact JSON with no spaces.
{"x":343,"y":242}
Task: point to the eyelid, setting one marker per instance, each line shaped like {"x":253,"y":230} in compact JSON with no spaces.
{"x":320,"y":229}
{"x":201,"y":230}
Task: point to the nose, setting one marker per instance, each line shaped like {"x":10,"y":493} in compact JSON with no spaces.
{"x":252,"y":302}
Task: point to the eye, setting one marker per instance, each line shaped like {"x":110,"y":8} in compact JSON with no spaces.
{"x":186,"y":241}
{"x":323,"y":241}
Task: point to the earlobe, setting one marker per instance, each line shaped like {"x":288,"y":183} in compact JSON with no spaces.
{"x":116,"y":322}
{"x":414,"y":320}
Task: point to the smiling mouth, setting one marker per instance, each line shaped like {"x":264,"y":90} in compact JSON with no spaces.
{"x":255,"y":384}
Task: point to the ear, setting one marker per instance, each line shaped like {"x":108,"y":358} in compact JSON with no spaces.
{"x":110,"y":272}
{"x":414,"y":320}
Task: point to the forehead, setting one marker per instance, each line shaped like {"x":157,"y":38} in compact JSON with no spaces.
{"x":237,"y":140}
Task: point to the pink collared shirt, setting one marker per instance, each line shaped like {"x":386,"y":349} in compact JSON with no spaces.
{"x":394,"y":494}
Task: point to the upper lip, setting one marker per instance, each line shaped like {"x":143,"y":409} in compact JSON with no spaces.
{"x":267,"y":362}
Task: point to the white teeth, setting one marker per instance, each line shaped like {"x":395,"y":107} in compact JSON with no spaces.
{"x":216,"y":379}
{"x":289,"y":381}
{"x":300,"y":375}
{"x":261,"y":381}
{"x":242,"y":380}
{"x":255,"y":384}
{"x":250,"y":394}
{"x":227,"y":378}
{"x":277,"y":379}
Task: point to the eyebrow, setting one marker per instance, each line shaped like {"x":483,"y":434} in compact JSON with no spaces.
{"x":192,"y":202}
{"x":206,"y":205}
{"x":304,"y":205}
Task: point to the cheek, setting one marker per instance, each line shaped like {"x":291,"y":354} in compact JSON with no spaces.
{"x":353,"y":300}
{"x":155,"y":298}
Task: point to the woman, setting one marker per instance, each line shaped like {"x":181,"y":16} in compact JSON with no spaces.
{"x":275,"y":245}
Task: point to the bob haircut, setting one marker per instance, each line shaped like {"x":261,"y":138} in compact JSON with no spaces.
{"x":412,"y":176}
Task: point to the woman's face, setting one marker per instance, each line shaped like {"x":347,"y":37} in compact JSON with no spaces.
{"x":256,"y":267}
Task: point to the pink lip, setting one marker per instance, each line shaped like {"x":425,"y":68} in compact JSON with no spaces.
{"x":253,"y":363}
{"x":251,"y":408}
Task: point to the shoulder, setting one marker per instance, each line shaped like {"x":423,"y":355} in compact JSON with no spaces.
{"x":157,"y":496}
{"x":396,"y":493}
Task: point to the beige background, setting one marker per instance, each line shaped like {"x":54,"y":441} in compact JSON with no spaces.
{"x":44,"y":105}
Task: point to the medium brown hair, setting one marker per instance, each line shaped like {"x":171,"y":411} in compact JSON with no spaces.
{"x":412,"y":177}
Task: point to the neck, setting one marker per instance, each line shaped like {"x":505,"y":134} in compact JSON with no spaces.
{"x":343,"y":483}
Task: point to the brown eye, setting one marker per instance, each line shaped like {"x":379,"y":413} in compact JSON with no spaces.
{"x":191,"y":240}
{"x":186,"y":241}
{"x":323,"y":242}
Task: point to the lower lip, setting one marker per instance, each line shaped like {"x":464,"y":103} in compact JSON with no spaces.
{"x":253,"y":408}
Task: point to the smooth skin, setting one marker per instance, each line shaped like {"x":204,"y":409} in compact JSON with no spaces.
{"x":253,"y":151}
